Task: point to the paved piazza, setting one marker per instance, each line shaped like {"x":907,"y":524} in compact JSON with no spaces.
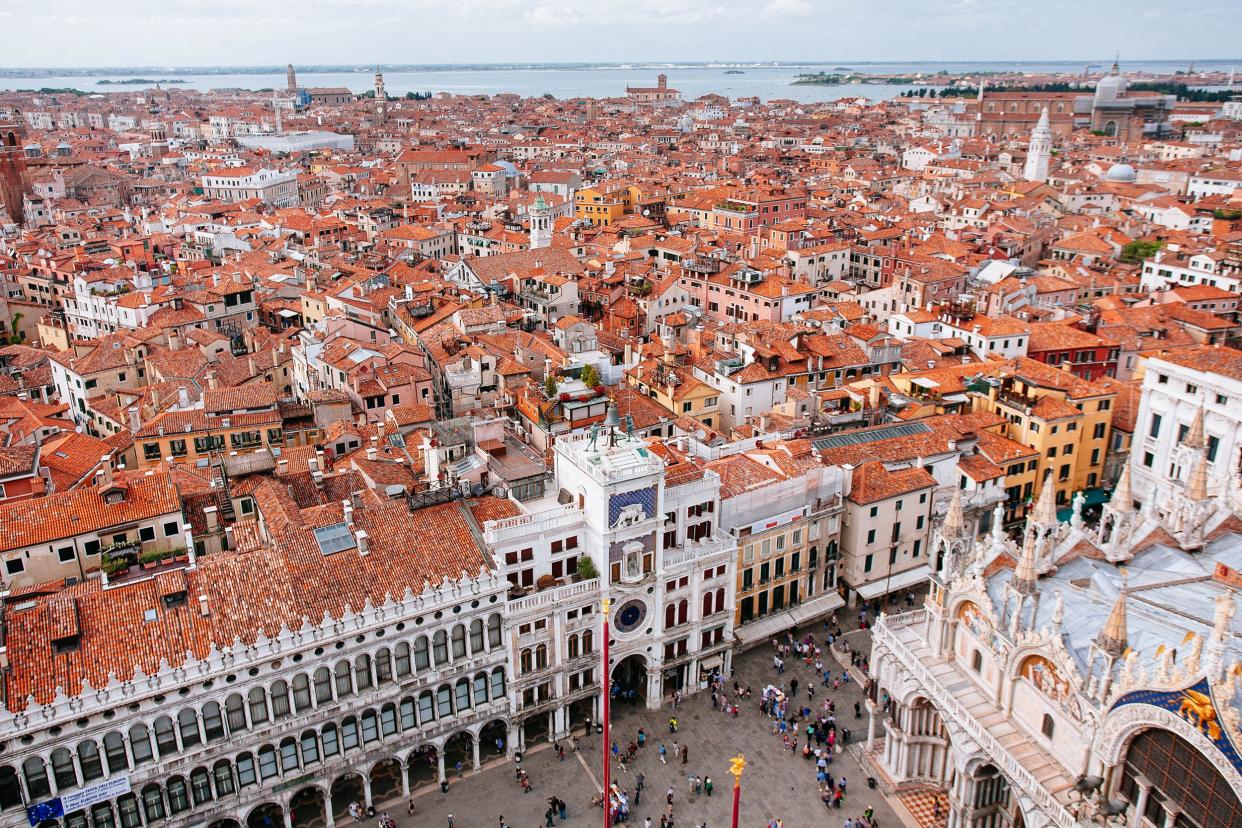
{"x":777,"y":784}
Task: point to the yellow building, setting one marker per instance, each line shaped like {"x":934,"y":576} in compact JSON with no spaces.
{"x":669,"y":381}
{"x":1066,"y":420}
{"x":604,"y":205}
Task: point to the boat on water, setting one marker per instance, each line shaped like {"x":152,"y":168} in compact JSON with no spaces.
{"x":734,"y":72}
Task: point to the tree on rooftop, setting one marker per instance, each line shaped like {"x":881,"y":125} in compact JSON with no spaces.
{"x":1138,"y":250}
{"x":549,"y":386}
{"x":589,"y":376}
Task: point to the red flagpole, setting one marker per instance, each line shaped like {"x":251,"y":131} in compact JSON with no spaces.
{"x":607,"y":684}
{"x":737,"y":764}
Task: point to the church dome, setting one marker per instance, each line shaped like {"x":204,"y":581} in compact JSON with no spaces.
{"x":1121,"y":172}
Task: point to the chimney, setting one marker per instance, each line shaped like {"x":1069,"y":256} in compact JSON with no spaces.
{"x":174,"y":340}
{"x":204,"y":606}
{"x":105,"y":469}
{"x":228,"y":537}
{"x":183,"y":397}
{"x":213,"y":520}
{"x":211,"y":380}
{"x":372,"y":452}
{"x":282,"y":466}
{"x":347,"y":511}
{"x":362,"y":538}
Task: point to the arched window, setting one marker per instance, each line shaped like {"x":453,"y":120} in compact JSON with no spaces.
{"x":349,"y":733}
{"x":343,"y":684}
{"x":301,"y":693}
{"x":476,"y":636}
{"x":708,"y":601}
{"x":588,"y":642}
{"x":370,"y":726}
{"x":127,"y":807}
{"x":268,"y":766}
{"x":140,"y":744}
{"x":102,"y":816}
{"x":720,"y":599}
{"x":258,"y":706}
{"x":462,"y":695}
{"x":213,"y":721}
{"x":459,"y":641}
{"x":235,"y":712}
{"x":245,"y":771}
{"x":402,"y":652}
{"x":1047,"y":727}
{"x":409,"y":718}
{"x":310,"y":747}
{"x":62,"y":769}
{"x":498,"y":683}
{"x":493,"y":630}
{"x":10,"y":788}
{"x":480,"y":688}
{"x":541,"y":656}
{"x":223,"y":772}
{"x":89,"y":760}
{"x":526,"y":661}
{"x":388,"y":720}
{"x":439,"y":647}
{"x":178,"y":795}
{"x":422,"y":659}
{"x":187,"y":723}
{"x":670,"y":616}
{"x":426,"y":707}
{"x":165,"y":736}
{"x":289,"y":755}
{"x":683,"y":611}
{"x":362,"y":672}
{"x":280,"y":699}
{"x":444,"y":701}
{"x":114,"y":752}
{"x":153,"y":803}
{"x":331,"y":740}
{"x":383,"y":666}
{"x":323,"y":685}
{"x":573,"y":646}
{"x":200,"y":786}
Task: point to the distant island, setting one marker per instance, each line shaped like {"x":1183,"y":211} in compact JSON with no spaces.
{"x":136,"y":81}
{"x":734,"y":72}
{"x":820,"y":79}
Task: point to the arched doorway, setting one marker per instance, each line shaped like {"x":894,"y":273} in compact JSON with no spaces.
{"x":493,"y":740}
{"x":346,"y":789}
{"x":386,"y":780}
{"x":267,"y":815}
{"x":225,"y":823}
{"x":307,"y":809}
{"x":423,"y":766}
{"x":535,"y":729}
{"x":1182,"y":779}
{"x":458,"y":754}
{"x":629,"y":680}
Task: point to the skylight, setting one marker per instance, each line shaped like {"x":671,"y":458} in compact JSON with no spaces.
{"x":334,"y":538}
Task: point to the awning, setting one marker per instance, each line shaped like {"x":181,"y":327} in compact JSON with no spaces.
{"x":821,"y":604}
{"x":1091,"y":497}
{"x":899,"y":581}
{"x":781,"y":620}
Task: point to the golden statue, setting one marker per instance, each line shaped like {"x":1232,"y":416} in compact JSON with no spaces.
{"x":1197,"y":709}
{"x":736,"y":765}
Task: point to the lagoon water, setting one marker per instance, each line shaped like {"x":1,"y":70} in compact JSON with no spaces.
{"x":765,"y":81}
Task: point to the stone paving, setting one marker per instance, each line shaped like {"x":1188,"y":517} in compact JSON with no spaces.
{"x":777,"y":784}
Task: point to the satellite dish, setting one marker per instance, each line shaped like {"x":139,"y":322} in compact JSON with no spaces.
{"x":477,"y":489}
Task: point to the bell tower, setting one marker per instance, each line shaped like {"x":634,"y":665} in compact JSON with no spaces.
{"x":381,"y":96}
{"x":13,"y":180}
{"x":540,"y":224}
{"x":1039,"y":151}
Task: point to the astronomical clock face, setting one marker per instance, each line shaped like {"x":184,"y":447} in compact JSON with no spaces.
{"x":630,"y":616}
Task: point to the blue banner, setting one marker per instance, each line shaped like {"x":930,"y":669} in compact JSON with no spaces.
{"x":43,"y":811}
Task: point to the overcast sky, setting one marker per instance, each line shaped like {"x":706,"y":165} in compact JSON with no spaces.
{"x":245,"y":32}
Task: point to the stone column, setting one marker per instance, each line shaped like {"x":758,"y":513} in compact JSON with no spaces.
{"x":366,"y":790}
{"x":474,"y":748}
{"x":870,"y":724}
{"x":329,"y":820}
{"x":288,"y":817}
{"x":1140,"y":805}
{"x":1171,"y":813}
{"x":440,"y":762}
{"x":405,"y":780}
